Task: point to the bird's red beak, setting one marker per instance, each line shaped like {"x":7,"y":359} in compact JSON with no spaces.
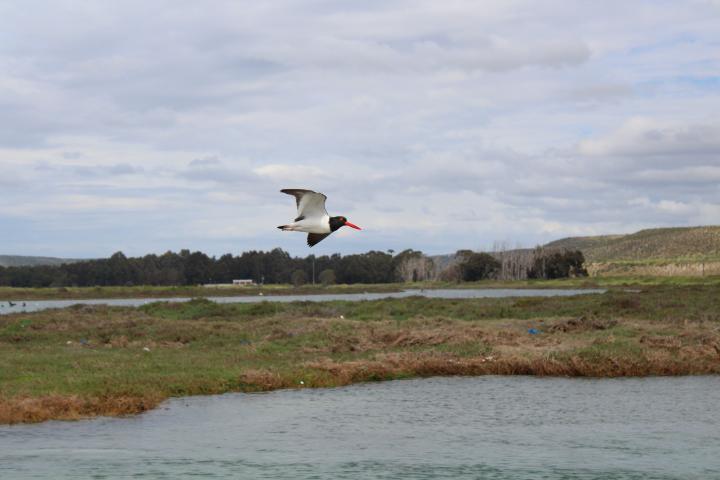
{"x":348,"y":224}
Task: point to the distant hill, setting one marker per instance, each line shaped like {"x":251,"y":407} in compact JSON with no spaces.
{"x":661,"y":244}
{"x":23,"y":261}
{"x":656,"y":251}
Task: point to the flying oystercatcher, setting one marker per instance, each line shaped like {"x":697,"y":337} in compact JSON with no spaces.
{"x":312,"y":216}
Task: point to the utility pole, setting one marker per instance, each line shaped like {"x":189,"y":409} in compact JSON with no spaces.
{"x":313,"y":269}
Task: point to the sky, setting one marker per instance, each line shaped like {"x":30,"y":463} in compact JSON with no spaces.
{"x":144,"y":127}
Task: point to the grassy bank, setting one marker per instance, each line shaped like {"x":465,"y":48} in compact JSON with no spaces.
{"x":191,"y":291}
{"x":610,"y":282}
{"x":149,"y":291}
{"x":86,"y":361}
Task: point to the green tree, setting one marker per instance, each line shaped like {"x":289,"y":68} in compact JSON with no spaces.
{"x":327,"y":277}
{"x":478,"y":266}
{"x":197,"y":268}
{"x":298,"y":278}
{"x":558,"y":265}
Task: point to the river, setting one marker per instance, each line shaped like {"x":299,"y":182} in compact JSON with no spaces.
{"x":438,"y":428}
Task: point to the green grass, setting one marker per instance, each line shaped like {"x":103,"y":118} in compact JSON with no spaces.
{"x":87,"y":360}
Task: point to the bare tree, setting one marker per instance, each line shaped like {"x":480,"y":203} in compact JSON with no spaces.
{"x":413,"y":266}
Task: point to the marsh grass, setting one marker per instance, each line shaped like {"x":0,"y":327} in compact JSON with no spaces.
{"x":99,"y":360}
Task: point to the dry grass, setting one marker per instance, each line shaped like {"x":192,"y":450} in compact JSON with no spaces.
{"x":697,"y":243}
{"x":71,"y":407}
{"x":589,"y":322}
{"x":666,"y":269}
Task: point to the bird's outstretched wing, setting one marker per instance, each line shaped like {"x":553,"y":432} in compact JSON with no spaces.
{"x":309,"y":203}
{"x":315,"y":238}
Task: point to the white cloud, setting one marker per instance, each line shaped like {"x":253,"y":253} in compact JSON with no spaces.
{"x":434,"y":125}
{"x":292,"y":173}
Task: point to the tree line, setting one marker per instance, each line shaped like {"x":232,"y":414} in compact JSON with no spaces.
{"x":278,"y":266}
{"x":516,"y":264}
{"x":193,"y":268}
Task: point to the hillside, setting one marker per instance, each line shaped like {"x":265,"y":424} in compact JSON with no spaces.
{"x":685,"y":251}
{"x":21,"y":261}
{"x":657,"y":244}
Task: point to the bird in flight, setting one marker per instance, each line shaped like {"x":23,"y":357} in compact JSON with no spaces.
{"x":312,"y":216}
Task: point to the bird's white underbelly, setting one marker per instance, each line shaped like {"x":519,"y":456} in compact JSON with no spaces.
{"x":312,"y":225}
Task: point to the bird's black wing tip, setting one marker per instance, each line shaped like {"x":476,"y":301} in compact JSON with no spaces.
{"x":295,"y":191}
{"x":315,"y":238}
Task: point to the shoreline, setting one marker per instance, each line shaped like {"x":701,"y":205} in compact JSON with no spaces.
{"x":146,"y":291}
{"x":149,"y":291}
{"x":26,"y":410}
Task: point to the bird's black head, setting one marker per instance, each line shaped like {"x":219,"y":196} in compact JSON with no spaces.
{"x":337,"y":222}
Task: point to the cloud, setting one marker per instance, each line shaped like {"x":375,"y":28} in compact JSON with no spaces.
{"x":694,"y":177}
{"x":204,"y":161}
{"x":649,"y":136}
{"x":434,"y":125}
{"x":291,"y":173}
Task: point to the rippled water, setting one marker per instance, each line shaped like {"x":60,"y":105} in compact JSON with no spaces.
{"x":452,"y":428}
{"x":34,"y":306}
